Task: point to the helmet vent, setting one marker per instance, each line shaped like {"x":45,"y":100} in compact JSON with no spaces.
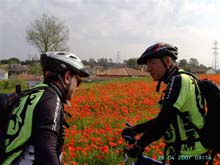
{"x":73,"y":57}
{"x":61,"y":53}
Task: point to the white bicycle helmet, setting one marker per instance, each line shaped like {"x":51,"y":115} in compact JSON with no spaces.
{"x":59,"y":61}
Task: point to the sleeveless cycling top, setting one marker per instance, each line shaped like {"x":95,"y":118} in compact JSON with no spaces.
{"x":181,"y":95}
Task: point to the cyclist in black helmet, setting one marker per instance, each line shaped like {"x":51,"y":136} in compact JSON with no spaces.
{"x":62,"y":75}
{"x":181,"y":104}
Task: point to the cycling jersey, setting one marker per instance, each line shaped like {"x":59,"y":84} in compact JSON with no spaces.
{"x":48,"y":130}
{"x":179,"y":136}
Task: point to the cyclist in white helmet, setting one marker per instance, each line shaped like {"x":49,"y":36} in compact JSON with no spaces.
{"x":62,"y":75}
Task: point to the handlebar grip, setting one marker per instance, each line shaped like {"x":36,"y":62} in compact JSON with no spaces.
{"x":129,"y":139}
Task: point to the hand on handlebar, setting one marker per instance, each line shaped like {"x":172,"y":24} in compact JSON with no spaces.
{"x":134,"y":150}
{"x":129,"y":131}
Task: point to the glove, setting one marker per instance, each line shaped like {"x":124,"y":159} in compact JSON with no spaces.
{"x":134,"y":150}
{"x":129,"y":131}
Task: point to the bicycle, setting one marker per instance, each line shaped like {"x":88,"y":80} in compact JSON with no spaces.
{"x":141,"y":159}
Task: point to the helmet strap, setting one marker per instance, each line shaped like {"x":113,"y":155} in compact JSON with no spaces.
{"x":163,"y":62}
{"x":66,"y":89}
{"x":158,"y":86}
{"x":164,"y":76}
{"x":61,"y":80}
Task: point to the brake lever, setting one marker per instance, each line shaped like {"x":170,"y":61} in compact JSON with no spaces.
{"x":128,"y":125}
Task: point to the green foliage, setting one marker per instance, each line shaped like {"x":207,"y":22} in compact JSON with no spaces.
{"x":7,"y":86}
{"x":11,"y":61}
{"x":35,"y":69}
{"x":132,"y":62}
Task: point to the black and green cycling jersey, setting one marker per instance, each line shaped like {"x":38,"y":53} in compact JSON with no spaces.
{"x":181,"y":95}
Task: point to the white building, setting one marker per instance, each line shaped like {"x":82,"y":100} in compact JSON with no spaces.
{"x":211,"y":71}
{"x":3,"y":74}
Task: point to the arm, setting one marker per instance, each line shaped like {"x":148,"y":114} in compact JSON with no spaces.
{"x":47,"y":130}
{"x":156,"y":128}
{"x":45,"y":145}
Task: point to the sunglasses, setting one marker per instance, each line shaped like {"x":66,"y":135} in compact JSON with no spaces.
{"x":78,"y":80}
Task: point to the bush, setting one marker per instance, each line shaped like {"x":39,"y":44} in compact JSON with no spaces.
{"x":9,"y":85}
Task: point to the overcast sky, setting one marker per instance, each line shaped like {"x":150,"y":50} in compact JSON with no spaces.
{"x":116,"y":29}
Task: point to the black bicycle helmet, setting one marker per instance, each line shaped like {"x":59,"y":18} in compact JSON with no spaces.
{"x":158,"y":50}
{"x":59,"y":62}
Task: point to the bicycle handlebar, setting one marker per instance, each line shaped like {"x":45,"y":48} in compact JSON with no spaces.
{"x":130,"y":139}
{"x":141,"y":158}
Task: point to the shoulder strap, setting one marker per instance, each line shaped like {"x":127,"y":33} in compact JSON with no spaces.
{"x":188,"y":73}
{"x":33,"y":90}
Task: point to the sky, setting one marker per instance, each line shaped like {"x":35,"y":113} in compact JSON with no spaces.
{"x":116,"y":29}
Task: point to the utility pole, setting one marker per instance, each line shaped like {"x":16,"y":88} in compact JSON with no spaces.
{"x":215,"y":61}
{"x":118,"y":57}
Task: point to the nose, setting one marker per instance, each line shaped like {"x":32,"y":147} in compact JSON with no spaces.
{"x":149,"y":67}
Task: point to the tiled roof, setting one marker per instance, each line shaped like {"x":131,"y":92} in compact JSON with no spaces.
{"x":3,"y":71}
{"x":198,"y":70}
{"x":122,"y":72}
{"x":18,"y":68}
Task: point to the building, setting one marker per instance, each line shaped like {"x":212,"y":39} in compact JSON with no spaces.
{"x":211,"y":71}
{"x":3,"y":74}
{"x":18,"y":69}
{"x":121,"y":72}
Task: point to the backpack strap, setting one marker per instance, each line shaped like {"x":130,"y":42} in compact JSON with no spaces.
{"x":188,"y":73}
{"x":33,"y":90}
{"x":176,"y":145}
{"x":190,"y":122}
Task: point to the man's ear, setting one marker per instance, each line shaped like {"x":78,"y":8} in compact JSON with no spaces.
{"x":67,"y":77}
{"x":168,"y":60}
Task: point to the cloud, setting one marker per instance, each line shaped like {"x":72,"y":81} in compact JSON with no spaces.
{"x":103,"y":27}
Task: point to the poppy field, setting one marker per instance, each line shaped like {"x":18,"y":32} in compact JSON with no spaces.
{"x":99,"y":112}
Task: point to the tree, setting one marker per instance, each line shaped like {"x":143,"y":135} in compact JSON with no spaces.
{"x":11,"y":61}
{"x":132,"y":62}
{"x":183,"y":63}
{"x":48,"y":34}
{"x":103,"y":62}
{"x":193,"y":62}
{"x":92,"y":62}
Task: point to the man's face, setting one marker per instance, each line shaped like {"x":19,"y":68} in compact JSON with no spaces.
{"x":74,"y":83}
{"x":156,"y":68}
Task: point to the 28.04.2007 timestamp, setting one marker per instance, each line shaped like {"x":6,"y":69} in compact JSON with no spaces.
{"x":186,"y":157}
